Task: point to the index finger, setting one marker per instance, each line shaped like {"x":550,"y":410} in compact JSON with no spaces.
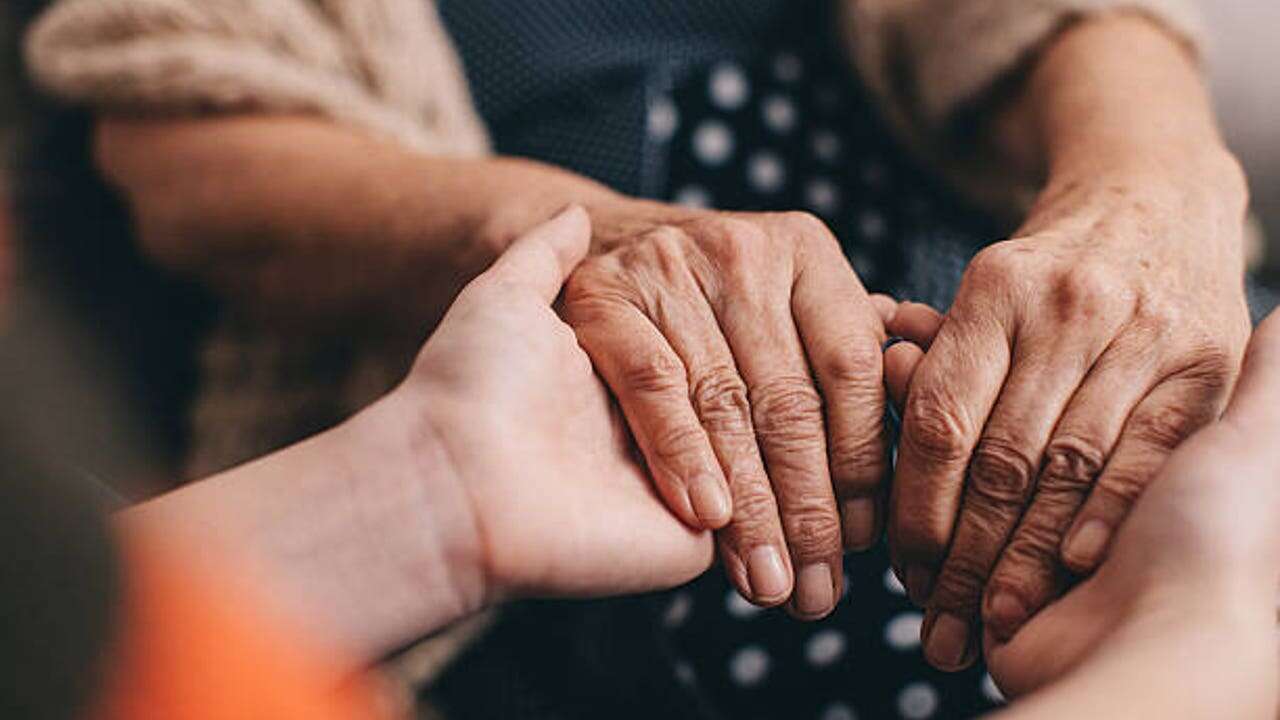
{"x":952,"y":393}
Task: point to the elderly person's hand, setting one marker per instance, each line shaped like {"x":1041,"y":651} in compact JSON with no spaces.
{"x":1076,"y":356}
{"x":746,"y":356}
{"x":1197,"y":562}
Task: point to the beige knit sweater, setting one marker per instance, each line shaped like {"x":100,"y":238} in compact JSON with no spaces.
{"x":388,"y":67}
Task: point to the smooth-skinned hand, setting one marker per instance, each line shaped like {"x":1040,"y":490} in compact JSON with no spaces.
{"x":746,"y":357}
{"x":558,"y":499}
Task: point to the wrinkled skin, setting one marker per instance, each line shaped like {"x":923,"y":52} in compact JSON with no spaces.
{"x":745,"y":354}
{"x":1077,"y":356}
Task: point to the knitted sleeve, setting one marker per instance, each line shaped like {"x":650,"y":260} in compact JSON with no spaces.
{"x":930,"y":61}
{"x":383,"y":65}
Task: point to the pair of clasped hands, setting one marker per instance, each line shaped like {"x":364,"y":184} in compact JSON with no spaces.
{"x":783,"y":453}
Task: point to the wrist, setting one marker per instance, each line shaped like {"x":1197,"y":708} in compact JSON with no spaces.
{"x":422,"y":516}
{"x":521,"y":194}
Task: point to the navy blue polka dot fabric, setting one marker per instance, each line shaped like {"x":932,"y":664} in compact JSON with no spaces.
{"x":743,"y":106}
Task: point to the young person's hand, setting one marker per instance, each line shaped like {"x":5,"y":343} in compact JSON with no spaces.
{"x":556,"y":497}
{"x":498,"y":468}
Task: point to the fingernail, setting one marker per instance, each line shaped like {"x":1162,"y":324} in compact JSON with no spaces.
{"x":1005,"y":614}
{"x":767,"y":574}
{"x":1084,"y":548}
{"x":948,"y":642}
{"x":710,"y":502}
{"x":815,"y":590}
{"x":858,"y":517}
{"x":919,"y":584}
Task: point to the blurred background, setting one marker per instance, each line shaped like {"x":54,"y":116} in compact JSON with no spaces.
{"x":113,"y":309}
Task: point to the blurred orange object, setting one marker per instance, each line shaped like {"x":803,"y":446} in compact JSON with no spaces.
{"x":191,"y":647}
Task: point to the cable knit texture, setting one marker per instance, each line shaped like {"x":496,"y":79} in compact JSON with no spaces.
{"x":389,"y":68}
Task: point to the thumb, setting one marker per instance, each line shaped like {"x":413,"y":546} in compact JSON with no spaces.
{"x":1255,"y":406}
{"x":543,"y":258}
{"x":900,"y":363}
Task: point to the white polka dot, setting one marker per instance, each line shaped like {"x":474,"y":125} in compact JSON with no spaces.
{"x":678,"y":610}
{"x":825,"y":648}
{"x":766,"y":173}
{"x":694,"y":196}
{"x":872,"y":225}
{"x":787,"y":67}
{"x":685,"y":674}
{"x":749,"y":666}
{"x":892,"y":584}
{"x":903,"y":631}
{"x":826,"y":146}
{"x":728,"y":86}
{"x":713,"y":142}
{"x":917,"y":701}
{"x":990,"y":690}
{"x":738,"y":606}
{"x":663,"y":119}
{"x":822,"y":196}
{"x":779,"y":113}
{"x":837,"y":711}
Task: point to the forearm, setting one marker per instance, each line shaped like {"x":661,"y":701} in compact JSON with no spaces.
{"x":303,"y":218}
{"x":1115,"y":92}
{"x":359,"y":537}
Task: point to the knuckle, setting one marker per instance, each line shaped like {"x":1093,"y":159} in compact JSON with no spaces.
{"x":934,"y":429}
{"x":1125,"y":486}
{"x":1082,"y":292}
{"x":855,"y":371}
{"x":1001,"y":473}
{"x":996,"y":262}
{"x":720,"y":400}
{"x":808,"y":228}
{"x":960,"y":584}
{"x":1036,"y":543}
{"x":673,"y":445}
{"x":1166,"y":426}
{"x":654,"y":374}
{"x":858,"y":462}
{"x":733,"y":242}
{"x":1072,"y":465}
{"x":812,"y":532}
{"x":787,"y":409}
{"x":754,"y":506}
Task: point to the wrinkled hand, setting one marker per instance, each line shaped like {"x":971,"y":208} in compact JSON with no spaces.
{"x":559,"y":503}
{"x":1075,"y":358}
{"x":746,"y":357}
{"x":1202,"y":548}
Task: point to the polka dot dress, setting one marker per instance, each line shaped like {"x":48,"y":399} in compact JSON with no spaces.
{"x":739,"y":106}
{"x":792,"y":132}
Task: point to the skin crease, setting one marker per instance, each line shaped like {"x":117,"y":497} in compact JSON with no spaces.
{"x":369,"y":241}
{"x":399,"y":520}
{"x":442,"y":498}
{"x":1179,"y":620}
{"x":1078,"y":354}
